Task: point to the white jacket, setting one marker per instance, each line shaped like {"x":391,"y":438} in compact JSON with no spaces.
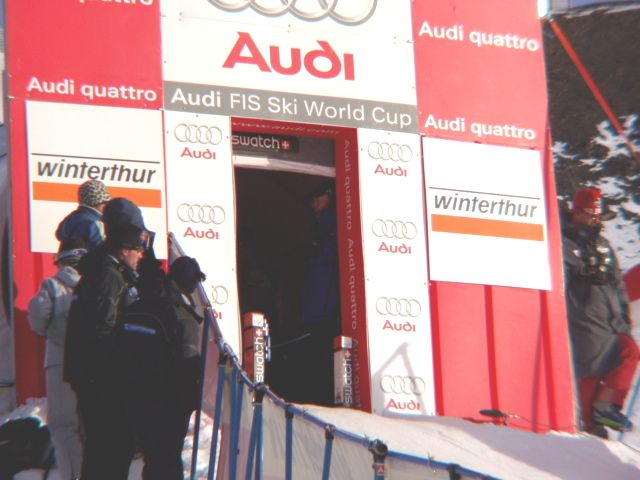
{"x":49,"y":309}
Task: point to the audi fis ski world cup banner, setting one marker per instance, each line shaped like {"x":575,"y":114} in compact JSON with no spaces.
{"x":395,"y":268}
{"x":344,"y":62}
{"x":200,"y":204}
{"x":121,"y":147}
{"x":486,"y":214}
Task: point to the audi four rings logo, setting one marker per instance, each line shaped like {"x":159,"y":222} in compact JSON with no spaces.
{"x":198,"y":213}
{"x":402,"y":385}
{"x":203,"y":134}
{"x":398,"y":307}
{"x":394,"y":229}
{"x":390,"y":151}
{"x":219,"y":294}
{"x":342,"y":11}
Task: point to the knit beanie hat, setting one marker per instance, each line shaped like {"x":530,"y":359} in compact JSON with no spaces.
{"x":588,"y":200}
{"x":71,"y":251}
{"x":93,"y":193}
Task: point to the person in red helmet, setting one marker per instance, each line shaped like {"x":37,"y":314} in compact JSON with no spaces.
{"x":605,"y":354}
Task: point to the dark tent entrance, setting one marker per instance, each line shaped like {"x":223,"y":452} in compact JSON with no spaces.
{"x":275,"y":175}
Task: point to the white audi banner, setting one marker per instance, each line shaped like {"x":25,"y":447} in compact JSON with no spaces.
{"x":201,"y":206}
{"x":70,"y":144}
{"x":396,"y":282}
{"x":281,"y":60}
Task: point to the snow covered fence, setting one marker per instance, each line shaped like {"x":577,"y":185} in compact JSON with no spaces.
{"x":258,"y":435}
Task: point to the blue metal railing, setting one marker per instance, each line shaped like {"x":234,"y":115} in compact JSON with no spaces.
{"x":228,"y":360}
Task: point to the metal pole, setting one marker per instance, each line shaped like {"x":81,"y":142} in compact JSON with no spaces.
{"x":196,"y":428}
{"x":289,"y":444}
{"x":213,"y":454}
{"x":329,"y":434}
{"x":255,"y":446}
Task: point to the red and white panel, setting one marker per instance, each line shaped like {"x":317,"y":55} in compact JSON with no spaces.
{"x":396,"y":283}
{"x":201,"y":206}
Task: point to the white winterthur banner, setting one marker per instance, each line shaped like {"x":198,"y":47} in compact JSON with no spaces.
{"x":201,"y":206}
{"x":486,"y":214}
{"x":396,"y":282}
{"x":69,"y":144}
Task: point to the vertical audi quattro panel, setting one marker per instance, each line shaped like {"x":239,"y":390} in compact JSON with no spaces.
{"x":396,"y":283}
{"x":491,"y":211}
{"x":59,"y":55}
{"x":201,"y":206}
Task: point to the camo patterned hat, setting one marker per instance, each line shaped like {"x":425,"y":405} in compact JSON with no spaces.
{"x":93,"y":193}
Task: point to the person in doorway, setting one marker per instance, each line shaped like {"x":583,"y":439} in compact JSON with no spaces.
{"x":320,"y":301}
{"x":605,"y":354}
{"x":106,"y":287}
{"x":48,"y":312}
{"x":86,"y":221}
{"x":161,"y":372}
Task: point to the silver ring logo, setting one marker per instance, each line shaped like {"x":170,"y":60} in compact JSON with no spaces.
{"x":402,"y":385}
{"x":394,"y":229}
{"x":398,"y":307}
{"x":325,"y":8}
{"x":219,"y":294}
{"x":202,"y":134}
{"x":197,"y":213}
{"x":390,"y":151}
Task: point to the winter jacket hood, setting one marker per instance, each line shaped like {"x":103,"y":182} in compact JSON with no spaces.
{"x":84,"y":222}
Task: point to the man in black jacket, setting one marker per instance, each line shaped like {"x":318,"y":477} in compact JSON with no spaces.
{"x":158,"y":356}
{"x":605,"y":355}
{"x":107,"y":286}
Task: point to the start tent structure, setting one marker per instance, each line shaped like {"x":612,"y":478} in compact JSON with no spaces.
{"x":218,"y":116}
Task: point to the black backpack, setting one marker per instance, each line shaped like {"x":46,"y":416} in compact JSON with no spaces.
{"x":146,"y":348}
{"x":24,"y":444}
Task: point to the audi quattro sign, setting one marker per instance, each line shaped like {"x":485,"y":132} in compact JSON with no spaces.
{"x":481,"y":75}
{"x":277,"y":60}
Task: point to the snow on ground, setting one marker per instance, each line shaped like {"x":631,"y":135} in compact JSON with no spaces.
{"x":501,"y":452}
{"x":38,"y":408}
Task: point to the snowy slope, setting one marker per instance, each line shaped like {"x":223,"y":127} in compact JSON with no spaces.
{"x":501,"y":452}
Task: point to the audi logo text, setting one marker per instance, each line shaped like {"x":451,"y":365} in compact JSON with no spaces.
{"x":394,"y":229}
{"x":342,"y":11}
{"x":390,"y":151}
{"x":202,"y":134}
{"x":219,"y":294}
{"x":401,"y":385}
{"x":398,"y":307}
{"x":200,"y":213}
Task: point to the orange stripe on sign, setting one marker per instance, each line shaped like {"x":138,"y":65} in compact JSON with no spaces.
{"x":486,"y":227}
{"x":68,"y":192}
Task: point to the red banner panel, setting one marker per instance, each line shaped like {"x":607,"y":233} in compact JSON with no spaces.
{"x":85,"y":51}
{"x":480,"y":71}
